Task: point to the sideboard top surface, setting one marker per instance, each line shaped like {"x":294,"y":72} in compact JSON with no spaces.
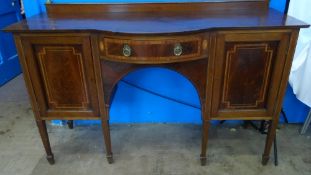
{"x":150,"y":20}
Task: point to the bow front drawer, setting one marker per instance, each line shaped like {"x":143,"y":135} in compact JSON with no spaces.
{"x":155,"y":50}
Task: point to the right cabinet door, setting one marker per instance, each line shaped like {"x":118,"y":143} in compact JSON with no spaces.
{"x":248,"y":67}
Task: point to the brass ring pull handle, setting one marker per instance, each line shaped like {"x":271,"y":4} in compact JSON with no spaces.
{"x":127,"y":50}
{"x":177,"y":49}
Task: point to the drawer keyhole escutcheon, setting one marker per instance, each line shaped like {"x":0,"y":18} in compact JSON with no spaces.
{"x":127,"y":50}
{"x":177,"y":49}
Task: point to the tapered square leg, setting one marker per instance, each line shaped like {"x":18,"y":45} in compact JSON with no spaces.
{"x":50,"y":159}
{"x":109,"y":158}
{"x":70,"y":124}
{"x":106,"y":132}
{"x":265,"y":159}
{"x":45,"y":140}
{"x":203,"y":160}
{"x":269,"y":141}
{"x":205,"y":128}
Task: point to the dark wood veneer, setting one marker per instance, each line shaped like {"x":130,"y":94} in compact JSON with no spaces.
{"x":151,"y":50}
{"x":62,"y":75}
{"x":183,"y":19}
{"x":211,"y":7}
{"x":62,"y":72}
{"x":237,"y":54}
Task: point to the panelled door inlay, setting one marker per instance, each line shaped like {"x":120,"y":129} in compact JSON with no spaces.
{"x":63,"y":75}
{"x":253,"y":62}
{"x":63,"y":78}
{"x":248,"y":74}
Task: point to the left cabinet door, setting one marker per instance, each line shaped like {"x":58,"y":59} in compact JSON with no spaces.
{"x":60,"y":69}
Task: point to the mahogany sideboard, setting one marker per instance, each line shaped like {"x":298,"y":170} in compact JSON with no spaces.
{"x":237,"y":54}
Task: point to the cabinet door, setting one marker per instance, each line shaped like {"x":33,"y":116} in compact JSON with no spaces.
{"x":62,"y":75}
{"x":248,"y":72}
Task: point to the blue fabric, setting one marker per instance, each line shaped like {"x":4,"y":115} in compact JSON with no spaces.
{"x":9,"y":64}
{"x":34,"y":7}
{"x":155,"y":95}
{"x":295,"y":110}
{"x":278,"y":5}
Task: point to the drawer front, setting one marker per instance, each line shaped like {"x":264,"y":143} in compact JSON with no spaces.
{"x":157,"y":50}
